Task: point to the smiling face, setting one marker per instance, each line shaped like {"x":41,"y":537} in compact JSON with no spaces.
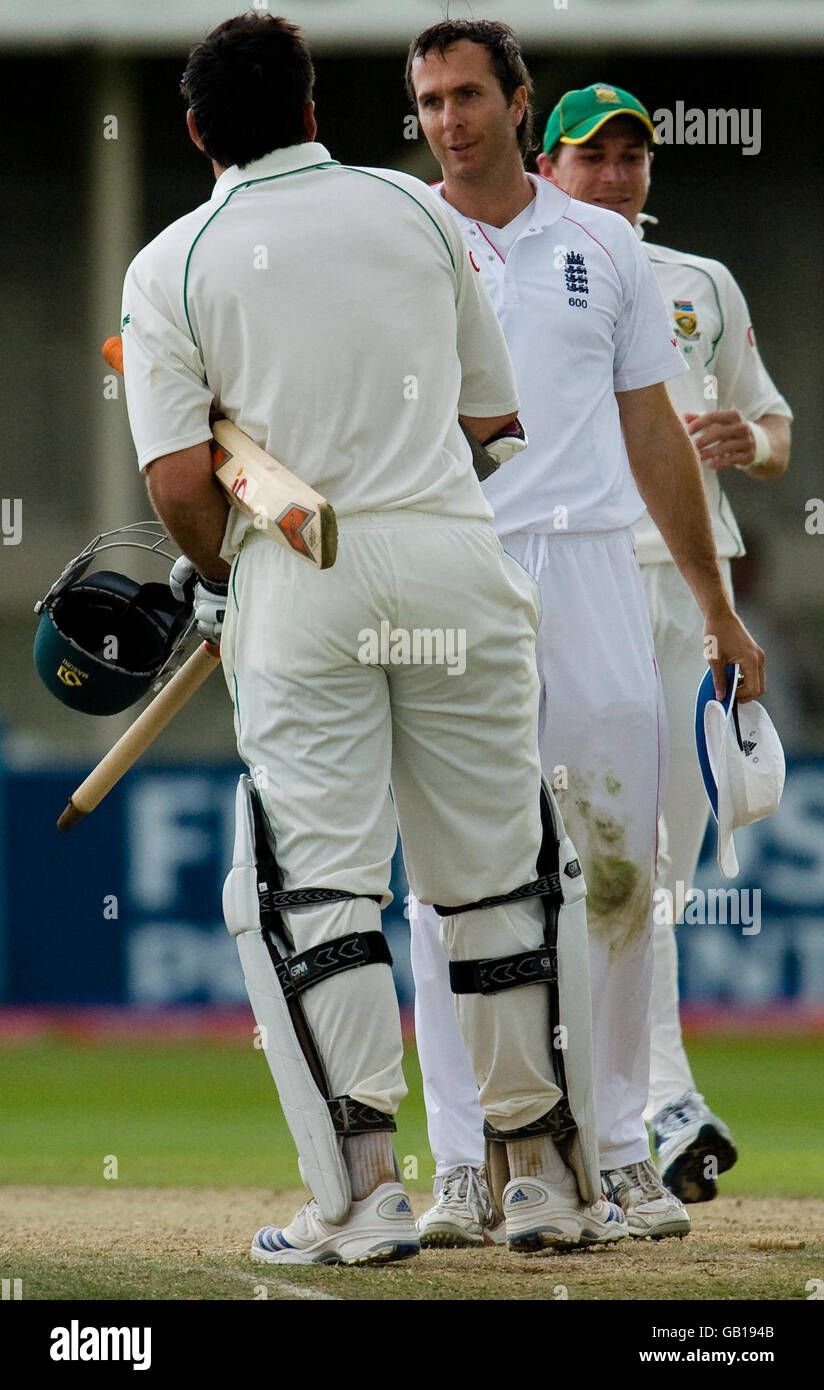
{"x":469,"y":125}
{"x":610,"y":170}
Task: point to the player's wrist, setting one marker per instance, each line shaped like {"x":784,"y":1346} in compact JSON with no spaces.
{"x":763,"y":448}
{"x":716,"y":606}
{"x":214,"y":586}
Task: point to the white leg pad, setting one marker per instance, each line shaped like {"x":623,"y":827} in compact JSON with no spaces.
{"x":575,"y":1009}
{"x":304,"y":1106}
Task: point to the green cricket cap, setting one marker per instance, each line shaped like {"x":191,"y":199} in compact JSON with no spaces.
{"x":581,"y":112}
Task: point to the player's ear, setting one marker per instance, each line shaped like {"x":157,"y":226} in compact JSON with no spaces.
{"x":194,"y":133}
{"x":546,"y":168}
{"x":310,"y":125}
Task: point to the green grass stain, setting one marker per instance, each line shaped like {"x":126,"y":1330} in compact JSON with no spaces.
{"x":611,"y":882}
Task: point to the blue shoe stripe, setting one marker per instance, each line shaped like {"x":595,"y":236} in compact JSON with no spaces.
{"x":271,"y":1239}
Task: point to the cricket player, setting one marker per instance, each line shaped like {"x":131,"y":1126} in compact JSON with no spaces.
{"x":304,"y":301}
{"x":597,"y":146}
{"x":593,"y":347}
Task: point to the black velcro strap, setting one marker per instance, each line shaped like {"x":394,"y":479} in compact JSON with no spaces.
{"x":549,"y":885}
{"x":557,"y":1122}
{"x":502,"y":972}
{"x":353,"y":1117}
{"x":299,"y":972}
{"x":278,"y":900}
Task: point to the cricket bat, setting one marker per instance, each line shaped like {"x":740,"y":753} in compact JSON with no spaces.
{"x":277,"y":502}
{"x":140,"y":735}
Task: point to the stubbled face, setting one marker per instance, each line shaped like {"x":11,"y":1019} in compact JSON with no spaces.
{"x":611,"y":169}
{"x":469,"y":126}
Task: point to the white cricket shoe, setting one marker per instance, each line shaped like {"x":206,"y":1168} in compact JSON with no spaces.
{"x":463,"y":1213}
{"x":693,"y":1146}
{"x":540,"y":1217}
{"x":650,"y":1209}
{"x":379,"y":1228}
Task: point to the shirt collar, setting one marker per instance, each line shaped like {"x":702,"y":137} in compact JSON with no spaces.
{"x":284,"y":161}
{"x":551,"y":202}
{"x":641,"y":220}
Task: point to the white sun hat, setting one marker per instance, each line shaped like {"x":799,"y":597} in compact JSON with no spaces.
{"x":741,"y":761}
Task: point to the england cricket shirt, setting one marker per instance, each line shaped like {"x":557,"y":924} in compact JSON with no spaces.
{"x":583,"y":318}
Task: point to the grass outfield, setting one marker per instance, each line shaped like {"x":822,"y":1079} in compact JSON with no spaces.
{"x":203,"y":1158}
{"x":184,"y":1115}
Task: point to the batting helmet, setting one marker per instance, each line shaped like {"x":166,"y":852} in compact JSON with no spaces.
{"x":103,"y":639}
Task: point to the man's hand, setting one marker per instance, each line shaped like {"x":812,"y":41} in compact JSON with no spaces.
{"x":209,"y":597}
{"x":496,"y":448}
{"x":727,"y":642}
{"x":723,"y":438}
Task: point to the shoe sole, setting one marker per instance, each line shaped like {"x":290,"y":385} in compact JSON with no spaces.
{"x":380,"y":1255}
{"x":685,"y":1175}
{"x":663,"y":1232}
{"x":550,"y":1238}
{"x":450,"y":1240}
{"x":444,"y":1238}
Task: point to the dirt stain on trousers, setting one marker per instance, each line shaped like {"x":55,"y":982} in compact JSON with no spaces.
{"x":619,"y":889}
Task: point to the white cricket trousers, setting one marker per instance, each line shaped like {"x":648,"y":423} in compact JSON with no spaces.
{"x":325,"y":719}
{"x":678,"y":631}
{"x":602,"y":736}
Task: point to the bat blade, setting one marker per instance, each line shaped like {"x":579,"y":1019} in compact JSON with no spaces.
{"x":276,"y":501}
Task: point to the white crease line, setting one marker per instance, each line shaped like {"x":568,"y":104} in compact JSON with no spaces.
{"x":294,"y":1290}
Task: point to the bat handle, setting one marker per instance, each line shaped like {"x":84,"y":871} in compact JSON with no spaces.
{"x":140,"y":735}
{"x":70,"y":816}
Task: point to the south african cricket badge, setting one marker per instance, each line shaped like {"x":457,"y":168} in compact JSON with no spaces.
{"x":686,"y":319}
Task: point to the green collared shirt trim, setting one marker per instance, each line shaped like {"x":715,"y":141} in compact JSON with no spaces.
{"x":655,"y":260}
{"x":270,"y":178}
{"x":352,"y":169}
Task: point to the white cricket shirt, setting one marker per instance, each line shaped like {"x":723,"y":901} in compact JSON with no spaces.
{"x":583,"y":318}
{"x":333,"y":314}
{"x":712,"y":323}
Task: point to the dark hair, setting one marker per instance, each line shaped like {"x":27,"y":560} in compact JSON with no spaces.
{"x":247,"y":83}
{"x":504,"y":52}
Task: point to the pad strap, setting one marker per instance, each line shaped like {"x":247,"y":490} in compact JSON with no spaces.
{"x":557,"y":1122}
{"x":276,"y":900}
{"x":502,"y":972}
{"x":353,"y":1117}
{"x":301,"y":971}
{"x":548,"y":885}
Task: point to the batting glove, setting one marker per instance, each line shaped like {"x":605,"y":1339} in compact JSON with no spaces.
{"x":488,"y":457}
{"x":511,"y":440}
{"x":207,"y":596}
